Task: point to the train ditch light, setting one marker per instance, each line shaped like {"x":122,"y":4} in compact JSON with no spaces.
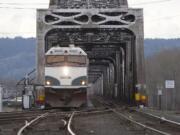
{"x":83,"y":82}
{"x":48,"y":83}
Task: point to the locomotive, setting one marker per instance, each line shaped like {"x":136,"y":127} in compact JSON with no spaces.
{"x":66,"y":77}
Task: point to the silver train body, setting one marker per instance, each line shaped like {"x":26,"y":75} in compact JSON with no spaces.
{"x":66,"y":77}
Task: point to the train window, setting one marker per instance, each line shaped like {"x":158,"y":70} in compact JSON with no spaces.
{"x":54,"y":59}
{"x":77,"y":59}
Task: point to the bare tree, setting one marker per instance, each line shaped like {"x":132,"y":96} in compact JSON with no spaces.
{"x":165,"y":65}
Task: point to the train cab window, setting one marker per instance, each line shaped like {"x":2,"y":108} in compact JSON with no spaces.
{"x":61,"y":60}
{"x":76,"y":59}
{"x":51,"y":59}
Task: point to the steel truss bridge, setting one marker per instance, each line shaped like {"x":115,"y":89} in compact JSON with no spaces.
{"x":109,"y":31}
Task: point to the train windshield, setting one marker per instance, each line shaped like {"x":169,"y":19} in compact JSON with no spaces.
{"x":76,"y":59}
{"x":72,"y":60}
{"x":54,"y":59}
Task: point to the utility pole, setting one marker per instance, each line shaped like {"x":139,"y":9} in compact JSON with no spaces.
{"x":1,"y":94}
{"x":159,"y":96}
{"x":174,"y":91}
{"x":169,"y":85}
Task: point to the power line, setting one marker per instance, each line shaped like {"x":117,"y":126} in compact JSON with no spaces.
{"x":163,"y":18}
{"x":17,"y":8}
{"x":152,"y":2}
{"x":12,"y":33}
{"x":21,"y":8}
{"x":24,"y":3}
{"x":19,"y":5}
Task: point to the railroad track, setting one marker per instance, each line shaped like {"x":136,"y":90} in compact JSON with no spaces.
{"x":9,"y":117}
{"x":47,"y":123}
{"x":11,"y":123}
{"x":110,"y":119}
{"x":151,"y":124}
{"x":54,"y":123}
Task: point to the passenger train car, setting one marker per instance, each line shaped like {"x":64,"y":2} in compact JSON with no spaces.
{"x":66,"y":80}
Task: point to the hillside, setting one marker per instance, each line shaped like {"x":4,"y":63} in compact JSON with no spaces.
{"x":152,"y":46}
{"x":17,"y":56}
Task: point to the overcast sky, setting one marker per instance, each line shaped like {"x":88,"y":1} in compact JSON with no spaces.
{"x":161,"y":17}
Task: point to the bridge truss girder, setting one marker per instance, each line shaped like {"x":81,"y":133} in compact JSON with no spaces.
{"x":114,"y":35}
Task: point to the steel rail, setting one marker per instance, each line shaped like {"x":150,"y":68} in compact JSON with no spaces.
{"x":83,"y":112}
{"x":70,"y":123}
{"x":160,"y":118}
{"x":19,"y":116}
{"x":65,"y":122}
{"x":133,"y":121}
{"x":27,"y":124}
{"x":140,"y":124}
{"x":30,"y":115}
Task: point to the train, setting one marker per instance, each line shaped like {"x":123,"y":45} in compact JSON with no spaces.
{"x":66,"y":77}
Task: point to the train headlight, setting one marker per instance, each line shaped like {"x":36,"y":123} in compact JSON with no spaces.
{"x":83,"y":83}
{"x":65,"y":71}
{"x":51,"y":81}
{"x":48,"y":82}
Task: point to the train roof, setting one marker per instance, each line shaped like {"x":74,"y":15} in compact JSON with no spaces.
{"x":65,"y":51}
